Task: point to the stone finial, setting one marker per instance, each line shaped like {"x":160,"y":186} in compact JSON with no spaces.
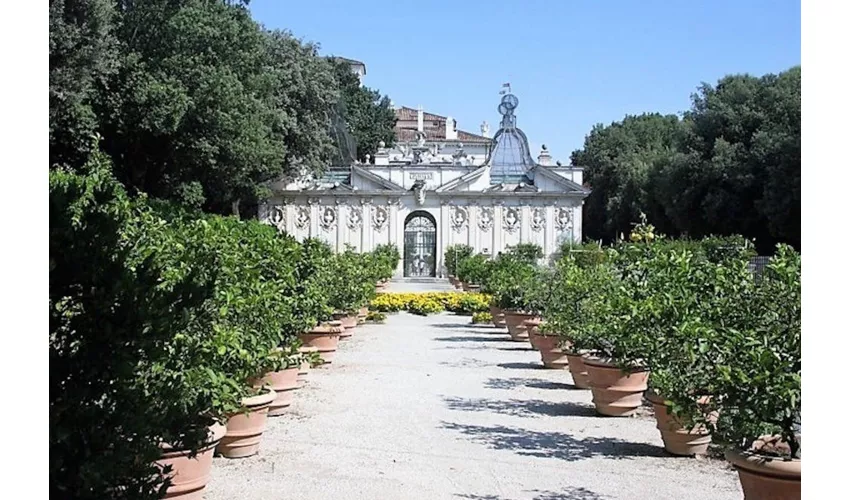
{"x":485,"y":129}
{"x":544,"y":158}
{"x":382,"y":144}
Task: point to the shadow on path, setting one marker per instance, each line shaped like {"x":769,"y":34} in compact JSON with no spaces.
{"x":525,"y":349}
{"x":569,"y":493}
{"x":553,"y":444}
{"x":521,"y":366}
{"x":536,"y":383}
{"x":469,"y":338}
{"x":520,"y":408}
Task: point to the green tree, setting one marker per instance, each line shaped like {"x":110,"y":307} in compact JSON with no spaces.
{"x":83,"y":53}
{"x":730,"y":166}
{"x":369,"y":116}
{"x":618,"y":158}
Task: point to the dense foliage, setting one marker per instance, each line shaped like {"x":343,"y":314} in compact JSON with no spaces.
{"x":717,"y":337}
{"x":163,"y":319}
{"x":370,"y":116}
{"x":453,"y":255}
{"x":196,"y":102}
{"x":730,"y":166}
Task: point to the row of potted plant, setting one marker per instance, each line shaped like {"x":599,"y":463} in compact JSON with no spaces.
{"x":174,"y":334}
{"x":688,"y":325}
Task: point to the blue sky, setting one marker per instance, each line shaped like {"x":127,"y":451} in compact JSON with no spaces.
{"x":571,"y":63}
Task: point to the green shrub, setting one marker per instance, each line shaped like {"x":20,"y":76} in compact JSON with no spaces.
{"x":387,"y":257}
{"x":525,"y":252}
{"x":473,"y":269}
{"x":454,"y":255}
{"x":753,"y":371}
{"x":481,"y":317}
{"x":376,"y":317}
{"x":115,"y":311}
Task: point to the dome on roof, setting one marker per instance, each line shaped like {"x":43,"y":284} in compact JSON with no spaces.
{"x":510,"y":159}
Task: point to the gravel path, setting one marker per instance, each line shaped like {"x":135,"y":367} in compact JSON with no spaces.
{"x":436,"y":408}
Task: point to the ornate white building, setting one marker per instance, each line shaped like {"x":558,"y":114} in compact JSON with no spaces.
{"x":438,"y":186}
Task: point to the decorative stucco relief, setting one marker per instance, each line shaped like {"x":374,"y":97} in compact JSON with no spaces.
{"x":485,"y":218}
{"x":329,"y":218}
{"x":511,"y":219}
{"x":380,"y":218}
{"x":277,"y":217}
{"x":460,"y":218}
{"x":563,"y":218}
{"x":355,"y":218}
{"x":302,"y":219}
{"x":538,"y":219}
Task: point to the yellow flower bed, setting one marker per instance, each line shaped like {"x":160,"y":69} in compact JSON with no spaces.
{"x":431,"y":302}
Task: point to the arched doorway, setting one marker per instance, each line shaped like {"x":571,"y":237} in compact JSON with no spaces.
{"x":420,"y":245}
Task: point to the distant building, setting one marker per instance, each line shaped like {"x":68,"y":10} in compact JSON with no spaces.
{"x":437,"y":186}
{"x":357,"y":67}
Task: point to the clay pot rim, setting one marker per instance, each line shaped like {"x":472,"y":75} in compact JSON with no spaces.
{"x":655,"y":398}
{"x":605,"y":362}
{"x":785,"y":467}
{"x":308,"y":348}
{"x":579,"y":353}
{"x":260,"y":399}
{"x":215,"y":434}
{"x":514,"y":312}
{"x":324,"y":330}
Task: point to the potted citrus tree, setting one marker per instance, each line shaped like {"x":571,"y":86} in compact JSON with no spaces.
{"x":454,"y":254}
{"x":756,"y":382}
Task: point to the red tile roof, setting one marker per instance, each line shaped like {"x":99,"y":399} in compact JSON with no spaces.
{"x":409,"y":114}
{"x":432,"y":134}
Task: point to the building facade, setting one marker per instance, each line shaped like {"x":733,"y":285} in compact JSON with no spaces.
{"x":438,"y":186}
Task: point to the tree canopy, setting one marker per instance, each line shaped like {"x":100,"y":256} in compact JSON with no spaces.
{"x":731,"y":165}
{"x":195,"y":101}
{"x":369,"y":115}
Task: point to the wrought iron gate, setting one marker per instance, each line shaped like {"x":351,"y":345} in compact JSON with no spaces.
{"x":420,"y":246}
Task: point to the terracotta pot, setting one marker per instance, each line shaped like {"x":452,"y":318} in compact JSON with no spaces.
{"x":516,"y":327}
{"x":284,"y":383}
{"x":532,"y":326}
{"x":615,"y":393}
{"x":764,"y":478}
{"x":347,"y":322}
{"x":498,"y":317}
{"x":245,"y":430}
{"x":305,"y":366}
{"x":575,"y":363}
{"x":189,"y":476}
{"x":325,"y":338}
{"x":677,"y":439}
{"x":551,"y":354}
